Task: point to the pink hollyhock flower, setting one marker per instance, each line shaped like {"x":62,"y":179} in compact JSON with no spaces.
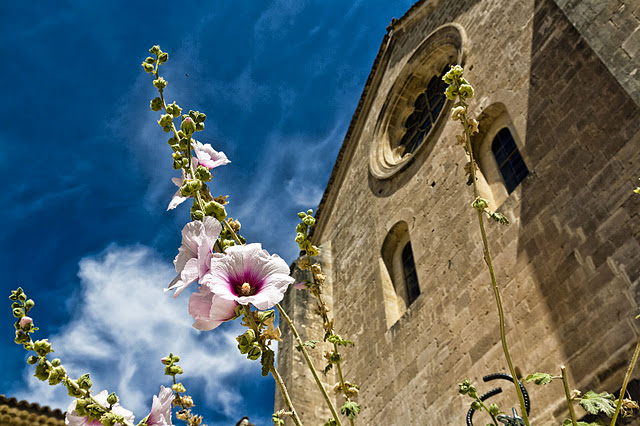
{"x":209,"y":157}
{"x":73,"y":419}
{"x":161,"y":408}
{"x":194,"y":256}
{"x":210,"y":310}
{"x":248,"y":275}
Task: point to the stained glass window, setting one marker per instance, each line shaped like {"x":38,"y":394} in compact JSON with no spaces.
{"x":510,"y":162}
{"x":427,"y":107}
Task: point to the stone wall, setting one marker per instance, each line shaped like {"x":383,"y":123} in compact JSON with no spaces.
{"x":569,"y":263}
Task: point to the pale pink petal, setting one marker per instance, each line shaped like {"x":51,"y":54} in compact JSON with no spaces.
{"x":161,"y":408}
{"x":209,"y":157}
{"x":300,"y":286}
{"x":73,"y":419}
{"x":209,"y":310}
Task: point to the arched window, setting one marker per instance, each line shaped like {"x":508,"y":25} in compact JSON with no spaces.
{"x":398,"y":272}
{"x":427,"y":108}
{"x":510,"y":162}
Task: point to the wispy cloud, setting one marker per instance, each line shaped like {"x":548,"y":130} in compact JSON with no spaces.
{"x":124,"y":323}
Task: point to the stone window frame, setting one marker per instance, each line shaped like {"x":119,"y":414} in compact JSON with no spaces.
{"x":396,"y":293}
{"x":444,"y":46}
{"x":490,"y":181}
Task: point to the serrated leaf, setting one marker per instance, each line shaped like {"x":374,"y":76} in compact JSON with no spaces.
{"x":593,"y":403}
{"x":268,"y":356}
{"x":309,"y":343}
{"x":350,"y":409}
{"x":539,"y":378}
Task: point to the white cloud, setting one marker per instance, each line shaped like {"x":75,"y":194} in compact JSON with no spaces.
{"x":124,"y":323}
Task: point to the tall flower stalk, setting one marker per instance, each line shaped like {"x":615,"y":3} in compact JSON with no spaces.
{"x":461,"y":89}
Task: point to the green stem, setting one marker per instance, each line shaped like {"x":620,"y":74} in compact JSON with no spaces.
{"x":494,"y":284}
{"x":332,"y":408}
{"x":567,"y":395}
{"x":632,"y":364}
{"x":273,"y":370}
{"x":344,"y":389}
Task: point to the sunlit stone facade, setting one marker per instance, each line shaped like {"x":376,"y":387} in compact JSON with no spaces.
{"x":563,"y":77}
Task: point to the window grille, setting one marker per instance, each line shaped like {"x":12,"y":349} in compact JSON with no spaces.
{"x":410,"y":275}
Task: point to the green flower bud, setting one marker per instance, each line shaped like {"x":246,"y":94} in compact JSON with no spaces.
{"x":188,"y":126}
{"x":175,"y":369}
{"x":194,"y":184}
{"x":476,"y":405}
{"x":184,"y":143}
{"x":150,"y":60}
{"x":165,"y":120}
{"x":42,"y":371}
{"x":156,"y":104}
{"x":310,"y":212}
{"x":200,"y":117}
{"x":300,"y":237}
{"x":155,"y":50}
{"x":178,"y":387}
{"x":244,"y":348}
{"x":197,"y":215}
{"x":112,"y":398}
{"x":309,"y":220}
{"x":472,"y":391}
{"x":451,"y":92}
{"x":18,"y":312}
{"x":203,"y":174}
{"x":265,"y":315}
{"x":84,"y":382}
{"x":42,"y":347}
{"x":302,"y":227}
{"x":32,"y":360}
{"x":456,"y":71}
{"x":175,"y":358}
{"x":21,"y":337}
{"x":466,"y":91}
{"x":174,"y":110}
{"x":479,"y":204}
{"x":254,"y":353}
{"x":29,"y":304}
{"x":447,"y":78}
{"x":247,"y":338}
{"x":464,"y":387}
{"x":56,"y":375}
{"x":163,"y":57}
{"x":216,"y":210}
{"x":177,"y":165}
{"x":159,"y":83}
{"x":312,"y":251}
{"x":199,"y":127}
{"x":302,"y":215}
{"x":55,"y":362}
{"x":147,"y":67}
{"x":493,"y":409}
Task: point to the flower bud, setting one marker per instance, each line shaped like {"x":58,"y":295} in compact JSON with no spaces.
{"x":451,"y":92}
{"x":56,"y":375}
{"x":174,"y":110}
{"x":456,"y":71}
{"x":254,"y":353}
{"x":165,"y":120}
{"x":165,"y":360}
{"x":26,"y":323}
{"x":247,"y":338}
{"x":112,"y":398}
{"x":197,"y":215}
{"x":42,"y":371}
{"x":312,"y":251}
{"x":178,"y":387}
{"x":479,"y":204}
{"x":188,"y":126}
{"x":457,"y":112}
{"x":199,"y":127}
{"x":32,"y":360}
{"x":156,"y":104}
{"x":147,"y":67}
{"x":18,"y":312}
{"x":163,"y":57}
{"x":175,"y":369}
{"x":476,"y":405}
{"x":155,"y":50}
{"x":159,"y":83}
{"x":55,"y":362}
{"x":42,"y":347}
{"x":493,"y":409}
{"x":265,"y":315}
{"x":466,"y":91}
{"x":203,"y":174}
{"x":300,"y":237}
{"x":215,"y":209}
{"x":302,"y":215}
{"x":29,"y":304}
{"x":84,"y":382}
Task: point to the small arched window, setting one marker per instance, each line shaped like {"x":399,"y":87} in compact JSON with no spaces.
{"x":510,"y":162}
{"x":398,"y":273}
{"x":427,"y":108}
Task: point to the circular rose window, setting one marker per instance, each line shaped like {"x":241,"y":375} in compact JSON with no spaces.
{"x":415,"y":106}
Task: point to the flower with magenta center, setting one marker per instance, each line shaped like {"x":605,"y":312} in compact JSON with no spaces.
{"x":194,"y":256}
{"x":209,"y":157}
{"x":248,"y":275}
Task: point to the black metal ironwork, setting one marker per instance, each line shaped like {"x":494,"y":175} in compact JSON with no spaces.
{"x":514,"y":420}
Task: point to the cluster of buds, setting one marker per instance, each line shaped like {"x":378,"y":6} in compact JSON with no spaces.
{"x":349,"y":389}
{"x":458,"y":86}
{"x":256,"y":340}
{"x":185,"y":402}
{"x":247,"y":344}
{"x":307,"y":221}
{"x":227,"y":237}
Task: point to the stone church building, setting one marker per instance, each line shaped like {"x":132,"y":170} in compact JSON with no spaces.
{"x":558,"y":101}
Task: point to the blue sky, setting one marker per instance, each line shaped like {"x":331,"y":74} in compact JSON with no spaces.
{"x":86,"y":173}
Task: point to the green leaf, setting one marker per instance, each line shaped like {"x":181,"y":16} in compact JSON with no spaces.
{"x":337,"y":340}
{"x":568,"y":422}
{"x":350,"y":409}
{"x":595,"y":402}
{"x":539,"y":378}
{"x":331,"y":422}
{"x":309,"y":343}
{"x":268,"y":356}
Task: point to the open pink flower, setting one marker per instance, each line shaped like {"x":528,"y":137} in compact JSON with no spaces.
{"x":210,"y":310}
{"x":161,"y":408}
{"x":248,"y":275}
{"x":72,"y":418}
{"x":209,"y":157}
{"x":194,"y":256}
